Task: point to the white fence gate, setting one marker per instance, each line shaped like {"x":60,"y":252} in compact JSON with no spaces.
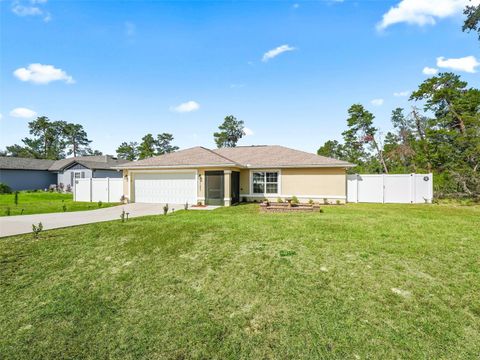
{"x":101,"y":189}
{"x":395,"y":188}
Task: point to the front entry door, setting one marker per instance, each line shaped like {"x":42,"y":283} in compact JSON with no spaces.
{"x":214,"y":188}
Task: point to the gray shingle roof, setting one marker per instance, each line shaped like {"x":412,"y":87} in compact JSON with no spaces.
{"x":16,"y":163}
{"x":100,"y":162}
{"x":241,"y":156}
{"x":103,"y":162}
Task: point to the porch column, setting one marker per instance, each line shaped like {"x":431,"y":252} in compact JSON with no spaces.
{"x":227,"y":179}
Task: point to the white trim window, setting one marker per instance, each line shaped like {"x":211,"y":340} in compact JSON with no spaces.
{"x":265,"y":182}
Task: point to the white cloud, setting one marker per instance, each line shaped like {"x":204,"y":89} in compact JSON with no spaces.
{"x":248,"y":131}
{"x":401,"y":93}
{"x":422,"y":12}
{"x":467,"y":63}
{"x":22,"y":113}
{"x":429,"y":71}
{"x":377,"y":102}
{"x":188,"y":106}
{"x":270,"y":54}
{"x":296,"y":6}
{"x":42,"y":74}
{"x":130,"y":28}
{"x":30,"y":8}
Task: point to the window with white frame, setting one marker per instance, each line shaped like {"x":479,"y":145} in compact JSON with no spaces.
{"x":265,"y":182}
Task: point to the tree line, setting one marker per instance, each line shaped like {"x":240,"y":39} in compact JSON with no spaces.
{"x":442,"y":137}
{"x":57,"y":139}
{"x":52,"y":140}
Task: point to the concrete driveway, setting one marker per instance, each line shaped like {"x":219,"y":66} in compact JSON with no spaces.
{"x":22,"y":224}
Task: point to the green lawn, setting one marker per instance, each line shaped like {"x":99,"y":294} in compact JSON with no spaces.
{"x":354,"y":282}
{"x":43,"y":202}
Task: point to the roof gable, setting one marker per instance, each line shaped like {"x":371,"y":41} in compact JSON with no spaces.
{"x":196,"y":156}
{"x":100,"y":162}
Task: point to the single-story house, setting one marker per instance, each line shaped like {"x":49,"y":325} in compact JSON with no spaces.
{"x":26,"y":174}
{"x":229,"y":175}
{"x":31,"y":174}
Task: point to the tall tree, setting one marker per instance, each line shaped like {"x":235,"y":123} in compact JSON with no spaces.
{"x":76,"y":137}
{"x":333,"y":149}
{"x":128,"y":151}
{"x":231,"y":130}
{"x":454,"y":131}
{"x":472,"y":21}
{"x":146,"y":148}
{"x":361,"y":130}
{"x":163,"y":144}
{"x":398,"y":145}
{"x":47,"y":141}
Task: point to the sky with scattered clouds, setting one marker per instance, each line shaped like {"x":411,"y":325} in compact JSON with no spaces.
{"x":290,"y":70}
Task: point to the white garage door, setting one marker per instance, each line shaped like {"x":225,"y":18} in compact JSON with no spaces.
{"x":170,"y":188}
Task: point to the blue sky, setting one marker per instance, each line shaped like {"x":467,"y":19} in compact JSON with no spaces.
{"x":122,"y":69}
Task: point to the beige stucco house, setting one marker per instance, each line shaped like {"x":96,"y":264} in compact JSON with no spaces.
{"x":230,"y":175}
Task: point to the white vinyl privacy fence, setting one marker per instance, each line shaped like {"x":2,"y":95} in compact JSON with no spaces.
{"x":396,"y":188}
{"x":101,"y":189}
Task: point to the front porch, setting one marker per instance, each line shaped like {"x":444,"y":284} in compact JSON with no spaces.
{"x":219,"y":187}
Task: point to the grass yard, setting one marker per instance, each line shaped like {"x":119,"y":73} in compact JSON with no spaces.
{"x":358,"y":281}
{"x":43,"y":202}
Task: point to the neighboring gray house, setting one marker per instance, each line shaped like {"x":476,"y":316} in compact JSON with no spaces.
{"x":81,"y":167}
{"x":26,"y":174}
{"x":31,"y":174}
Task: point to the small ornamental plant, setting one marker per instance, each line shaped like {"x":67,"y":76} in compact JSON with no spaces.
{"x":186,"y":206}
{"x":100,"y":203}
{"x":64,"y":208}
{"x":8,"y":211}
{"x":15,"y":199}
{"x":338,"y":202}
{"x":123,"y":216}
{"x":21,"y":212}
{"x":310,"y":202}
{"x":165,"y":209}
{"x":37,"y":229}
{"x":295,"y":200}
{"x":325,"y":201}
{"x":279,"y":200}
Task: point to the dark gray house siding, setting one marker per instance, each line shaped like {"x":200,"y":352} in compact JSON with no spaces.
{"x":107,"y":173}
{"x":27,"y":179}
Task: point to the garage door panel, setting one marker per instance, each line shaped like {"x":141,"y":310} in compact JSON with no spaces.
{"x":173,"y":188}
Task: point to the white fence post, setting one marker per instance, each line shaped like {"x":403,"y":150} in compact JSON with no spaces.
{"x":356,"y":185}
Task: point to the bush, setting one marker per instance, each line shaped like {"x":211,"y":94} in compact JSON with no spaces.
{"x":5,"y":189}
{"x":15,"y":199}
{"x":8,"y":211}
{"x":310,"y":202}
{"x":279,"y":200}
{"x":165,"y":209}
{"x":100,"y":203}
{"x":295,"y":200}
